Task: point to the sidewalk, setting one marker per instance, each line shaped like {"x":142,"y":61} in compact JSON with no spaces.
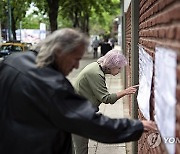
{"x":114,"y":84}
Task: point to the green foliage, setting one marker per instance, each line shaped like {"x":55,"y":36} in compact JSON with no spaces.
{"x":3,"y":12}
{"x":18,"y":9}
{"x":64,"y":22}
{"x":96,"y":12}
{"x":105,"y":17}
{"x":13,"y":13}
{"x":33,"y":21}
{"x":93,"y":16}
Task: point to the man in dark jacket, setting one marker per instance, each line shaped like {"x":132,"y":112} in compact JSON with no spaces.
{"x":105,"y":47}
{"x":39,"y":108}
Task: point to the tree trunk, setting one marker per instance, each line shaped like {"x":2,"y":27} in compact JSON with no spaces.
{"x":87,"y":24}
{"x":13,"y":28}
{"x":53,"y":14}
{"x":76,"y":20}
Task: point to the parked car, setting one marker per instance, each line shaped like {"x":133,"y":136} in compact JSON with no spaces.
{"x":12,"y":47}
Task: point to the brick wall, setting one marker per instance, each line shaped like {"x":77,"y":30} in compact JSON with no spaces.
{"x":159,"y":24}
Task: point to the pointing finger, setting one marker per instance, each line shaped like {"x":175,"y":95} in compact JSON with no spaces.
{"x":135,"y":86}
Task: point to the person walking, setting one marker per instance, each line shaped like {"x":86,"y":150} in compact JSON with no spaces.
{"x":91,"y":84}
{"x":95,"y":45}
{"x":105,"y":47}
{"x":39,"y":108}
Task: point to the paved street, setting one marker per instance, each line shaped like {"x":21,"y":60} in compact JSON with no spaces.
{"x":114,"y":111}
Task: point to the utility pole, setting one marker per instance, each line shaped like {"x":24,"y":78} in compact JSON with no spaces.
{"x":20,"y":28}
{"x":135,"y":59}
{"x":9,"y":20}
{"x":0,"y":33}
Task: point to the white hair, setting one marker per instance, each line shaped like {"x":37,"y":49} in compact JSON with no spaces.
{"x":63,"y":40}
{"x":112,"y":59}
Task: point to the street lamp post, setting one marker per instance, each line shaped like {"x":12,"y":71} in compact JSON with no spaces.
{"x":20,"y":28}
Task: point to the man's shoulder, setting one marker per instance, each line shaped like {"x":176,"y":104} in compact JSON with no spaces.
{"x":91,"y":66}
{"x":15,"y":59}
{"x":93,"y":69}
{"x":21,"y":61}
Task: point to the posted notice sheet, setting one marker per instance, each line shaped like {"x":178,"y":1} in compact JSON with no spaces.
{"x":165,"y":94}
{"x":145,"y":79}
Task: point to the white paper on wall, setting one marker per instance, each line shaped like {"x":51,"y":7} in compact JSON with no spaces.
{"x":145,"y":79}
{"x":165,"y":94}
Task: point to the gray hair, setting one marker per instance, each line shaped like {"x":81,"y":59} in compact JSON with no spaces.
{"x":63,"y":40}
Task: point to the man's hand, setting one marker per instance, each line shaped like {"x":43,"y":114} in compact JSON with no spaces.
{"x":131,"y":90}
{"x":149,"y":125}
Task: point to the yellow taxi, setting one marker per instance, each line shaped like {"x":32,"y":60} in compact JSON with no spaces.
{"x":12,"y":47}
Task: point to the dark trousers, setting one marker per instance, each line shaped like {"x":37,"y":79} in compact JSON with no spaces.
{"x":95,"y":53}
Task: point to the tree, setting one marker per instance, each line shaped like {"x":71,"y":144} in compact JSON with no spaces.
{"x":49,"y":7}
{"x":53,"y":13}
{"x":18,"y":11}
{"x":78,"y":12}
{"x":104,"y":14}
{"x":3,"y":17}
{"x":81,"y":13}
{"x":34,"y":17}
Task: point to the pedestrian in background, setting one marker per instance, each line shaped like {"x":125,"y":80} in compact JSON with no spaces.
{"x":95,"y":45}
{"x":112,"y":42}
{"x":91,"y":84}
{"x":39,"y":108}
{"x":105,"y":46}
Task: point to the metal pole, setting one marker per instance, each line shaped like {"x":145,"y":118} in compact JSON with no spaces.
{"x":135,"y":59}
{"x":9,"y":20}
{"x":0,"y":33}
{"x":123,"y":38}
{"x":20,"y":28}
{"x":123,"y":26}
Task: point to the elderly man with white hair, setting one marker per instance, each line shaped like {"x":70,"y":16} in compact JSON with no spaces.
{"x":39,"y":108}
{"x":91,"y":84}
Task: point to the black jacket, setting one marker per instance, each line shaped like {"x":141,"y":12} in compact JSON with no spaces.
{"x":105,"y":47}
{"x":39,"y":110}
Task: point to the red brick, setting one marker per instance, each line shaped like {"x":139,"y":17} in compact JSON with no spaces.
{"x":178,"y":93}
{"x":171,"y":32}
{"x":155,"y":8}
{"x":177,"y":112}
{"x":178,"y":73}
{"x":168,"y":2}
{"x":178,"y":129}
{"x":178,"y":58}
{"x":178,"y":33}
{"x":161,"y":4}
{"x":177,"y":148}
{"x":155,"y":33}
{"x":162,"y":33}
{"x":153,"y":22}
{"x":175,"y":13}
{"x":165,"y":17}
